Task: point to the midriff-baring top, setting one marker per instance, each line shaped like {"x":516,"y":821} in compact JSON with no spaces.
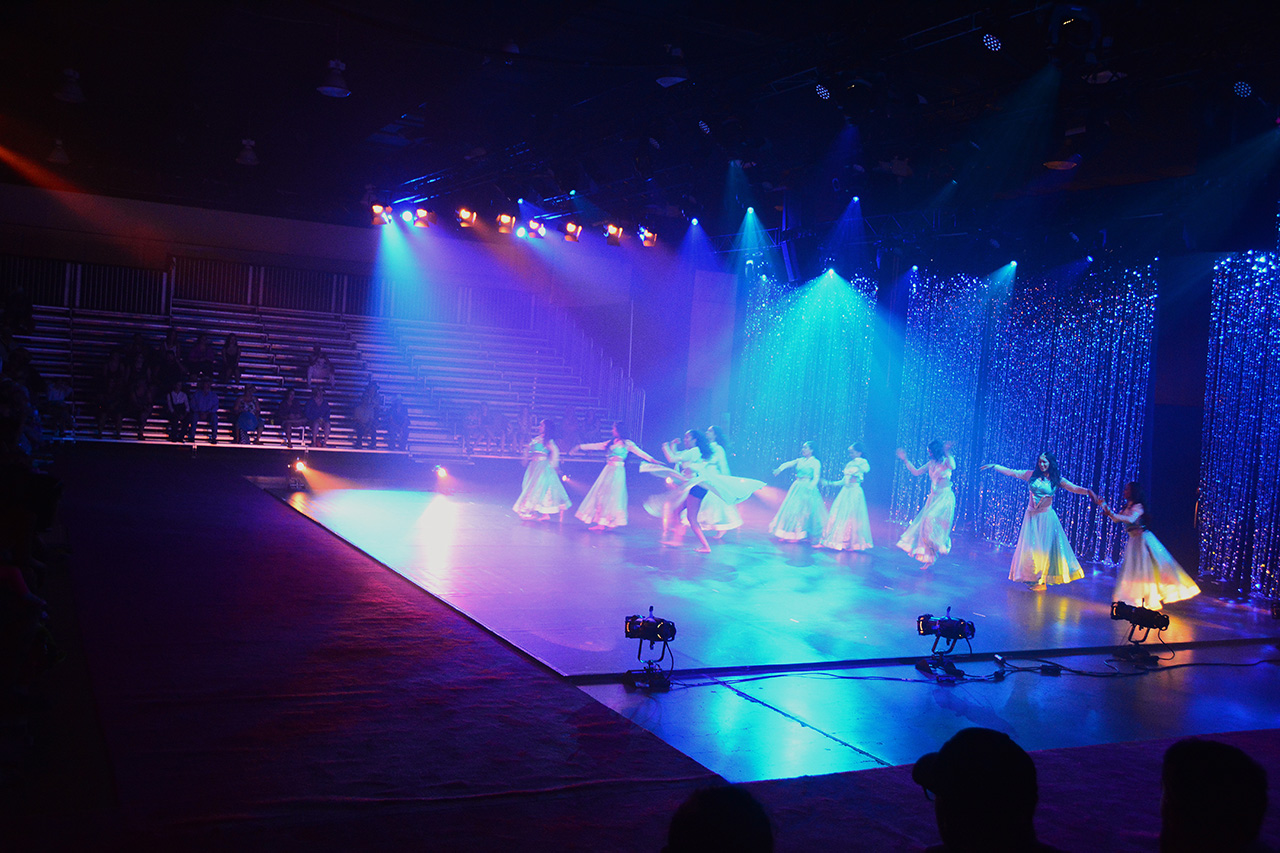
{"x":617,"y":453}
{"x":940,"y":473}
{"x":537,"y":448}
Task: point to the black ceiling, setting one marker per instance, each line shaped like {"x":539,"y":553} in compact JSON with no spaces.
{"x":481,"y":103}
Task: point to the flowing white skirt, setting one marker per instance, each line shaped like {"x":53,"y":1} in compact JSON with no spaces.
{"x":1149,"y":576}
{"x":542,"y":491}
{"x":802,"y":514}
{"x":848,"y":528}
{"x":929,"y":534}
{"x":606,"y":503}
{"x":1043,"y":554}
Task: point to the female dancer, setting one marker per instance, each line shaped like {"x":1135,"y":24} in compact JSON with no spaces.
{"x":1149,"y":576}
{"x":606,"y":504}
{"x":802,"y":514}
{"x":718,"y":514}
{"x":929,"y":533}
{"x":1043,"y":555}
{"x":542,"y":493}
{"x":696,"y":481}
{"x":848,"y":528}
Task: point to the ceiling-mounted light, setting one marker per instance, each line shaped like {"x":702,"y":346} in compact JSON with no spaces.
{"x":334,"y":85}
{"x":70,"y":92}
{"x":381,"y":213}
{"x":58,"y":156}
{"x":422,"y":218}
{"x":467,"y":217}
{"x":676,"y":72}
{"x":537,"y":229}
{"x":505,"y":223}
{"x":572,"y":231}
{"x":613,"y":234}
{"x":647,"y":237}
{"x":247,"y":156}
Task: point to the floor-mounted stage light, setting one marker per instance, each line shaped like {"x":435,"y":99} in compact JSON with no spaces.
{"x":572,"y":231}
{"x":943,"y":628}
{"x":1138,"y":617}
{"x":655,"y":630}
{"x":296,"y":478}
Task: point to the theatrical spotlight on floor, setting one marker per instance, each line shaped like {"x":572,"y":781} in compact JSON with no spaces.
{"x":1138,"y":617}
{"x":296,"y":479}
{"x":943,"y":628}
{"x":651,"y":677}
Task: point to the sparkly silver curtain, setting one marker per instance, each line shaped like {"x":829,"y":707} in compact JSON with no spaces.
{"x":1063,"y":364}
{"x":1239,"y":505}
{"x":805,"y":370}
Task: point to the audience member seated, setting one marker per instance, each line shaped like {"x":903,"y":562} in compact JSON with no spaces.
{"x":231,"y":359}
{"x":171,"y":347}
{"x":471,"y":429}
{"x":570,"y":429}
{"x":591,"y":427}
{"x":317,"y":413}
{"x":1214,"y":799}
{"x":365,"y":415}
{"x":722,"y":818}
{"x":320,"y":371}
{"x":113,"y":392}
{"x":178,"y":408}
{"x":248,"y":417}
{"x":58,"y":408}
{"x":491,"y":427}
{"x":520,"y":432}
{"x":201,"y":359}
{"x":398,"y":424}
{"x":985,"y":794}
{"x":290,"y":416}
{"x":204,"y":409}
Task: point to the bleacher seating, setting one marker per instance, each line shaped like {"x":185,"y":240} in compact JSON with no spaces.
{"x":440,"y":370}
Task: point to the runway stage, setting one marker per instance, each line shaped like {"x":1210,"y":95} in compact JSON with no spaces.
{"x":792,"y":645}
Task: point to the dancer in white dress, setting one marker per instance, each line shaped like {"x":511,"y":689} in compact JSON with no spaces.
{"x":542,"y":493}
{"x":717,"y":514}
{"x":929,"y":534}
{"x":1043,"y":554}
{"x":802,"y":514}
{"x":605,"y":506}
{"x":848,"y":527}
{"x":1149,"y":576}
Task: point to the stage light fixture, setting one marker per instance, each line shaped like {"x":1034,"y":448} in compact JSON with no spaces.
{"x":823,"y":92}
{"x":704,"y":127}
{"x":1242,"y":89}
{"x":247,"y":156}
{"x":334,"y":86}
{"x":751,"y":210}
{"x":1088,"y":259}
{"x":564,"y":478}
{"x":1138,"y":617}
{"x":522,"y":232}
{"x":647,"y":237}
{"x":423,"y":218}
{"x":856,"y":200}
{"x":613,"y":234}
{"x":70,"y":92}
{"x":915,"y":268}
{"x":505,"y":223}
{"x":466,"y":217}
{"x":694,"y":221}
{"x":58,"y":156}
{"x":573,"y":192}
{"x":520,"y":201}
{"x":537,"y":229}
{"x":572,"y":231}
{"x":655,"y":630}
{"x":991,"y":42}
{"x":295,"y":479}
{"x":944,"y":628}
{"x":381,"y":213}
{"x":441,"y":471}
{"x":407,"y":216}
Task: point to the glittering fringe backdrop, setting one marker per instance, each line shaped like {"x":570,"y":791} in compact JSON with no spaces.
{"x":805,"y":368}
{"x":1062,"y":364}
{"x":1239,"y":507}
{"x":947,"y":322}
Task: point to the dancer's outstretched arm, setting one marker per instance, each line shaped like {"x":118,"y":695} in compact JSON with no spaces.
{"x":784,"y":466}
{"x":1021,"y":474}
{"x":635,"y":448}
{"x":902,"y":454}
{"x":1073,"y":488}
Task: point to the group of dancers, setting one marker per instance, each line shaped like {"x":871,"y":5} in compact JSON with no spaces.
{"x":703,"y":495}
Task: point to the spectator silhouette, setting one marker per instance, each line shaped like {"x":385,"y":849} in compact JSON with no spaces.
{"x":204,"y":407}
{"x":398,"y":424}
{"x":113,"y":392}
{"x":201,"y":358}
{"x":231,"y":359}
{"x":178,"y":407}
{"x":985,"y":794}
{"x":366,"y":414}
{"x":721,"y":818}
{"x":1214,"y":799}
{"x":248,"y":414}
{"x":317,"y":412}
{"x":292,"y":416}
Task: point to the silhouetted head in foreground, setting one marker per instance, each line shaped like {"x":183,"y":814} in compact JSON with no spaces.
{"x":722,"y":818}
{"x":1214,"y":798}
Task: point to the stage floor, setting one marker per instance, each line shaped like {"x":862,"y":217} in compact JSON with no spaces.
{"x":560,"y":593}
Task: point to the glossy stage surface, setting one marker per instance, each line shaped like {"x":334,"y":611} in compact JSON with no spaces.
{"x":794,"y":661}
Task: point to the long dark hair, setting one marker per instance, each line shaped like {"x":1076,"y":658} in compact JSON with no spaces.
{"x":548,"y":429}
{"x":700,"y":440}
{"x":623,"y":432}
{"x":1138,"y":496}
{"x":1053,"y":475}
{"x":937,"y":452}
{"x":717,"y":435}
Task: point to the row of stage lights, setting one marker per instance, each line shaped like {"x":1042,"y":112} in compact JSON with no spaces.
{"x":508,"y":224}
